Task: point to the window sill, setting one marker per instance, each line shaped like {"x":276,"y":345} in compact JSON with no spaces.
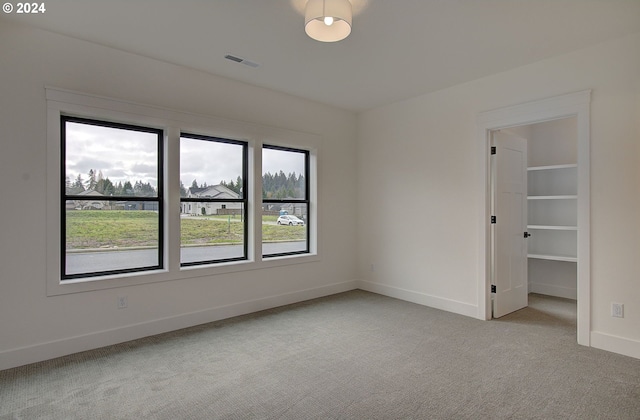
{"x":56,"y":287}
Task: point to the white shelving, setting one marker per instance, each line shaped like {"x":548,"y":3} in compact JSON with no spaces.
{"x":553,"y":212}
{"x":552,"y":197}
{"x":547,"y":167}
{"x":551,"y":227}
{"x":554,"y":257}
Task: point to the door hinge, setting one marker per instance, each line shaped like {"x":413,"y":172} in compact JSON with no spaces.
{"x":493,"y":220}
{"x":526,"y":235}
{"x":493,"y":150}
{"x":493,"y":288}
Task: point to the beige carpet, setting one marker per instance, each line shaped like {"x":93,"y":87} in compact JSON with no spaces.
{"x":355,"y":355}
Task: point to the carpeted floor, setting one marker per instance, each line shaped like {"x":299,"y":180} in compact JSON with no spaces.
{"x":355,"y":355}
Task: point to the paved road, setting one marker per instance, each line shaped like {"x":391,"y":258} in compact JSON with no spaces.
{"x":84,"y":262}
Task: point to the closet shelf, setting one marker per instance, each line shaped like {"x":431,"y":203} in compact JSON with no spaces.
{"x":552,"y":227}
{"x":554,"y":257}
{"x":554,"y":232}
{"x":552,"y":197}
{"x":544,"y":168}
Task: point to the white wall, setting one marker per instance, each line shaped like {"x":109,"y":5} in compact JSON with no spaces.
{"x":553,"y":278}
{"x":553,"y":142}
{"x":418,"y":205}
{"x":34,"y":326}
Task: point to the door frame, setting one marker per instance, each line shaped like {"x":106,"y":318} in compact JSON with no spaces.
{"x":558,"y":107}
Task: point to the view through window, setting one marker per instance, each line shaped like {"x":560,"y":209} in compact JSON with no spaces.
{"x":112,"y":198}
{"x":213,"y":200}
{"x":285,"y":201}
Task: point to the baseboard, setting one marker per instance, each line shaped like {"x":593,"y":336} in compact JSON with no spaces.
{"x":420,"y":298}
{"x":615,"y":344}
{"x":49,"y":350}
{"x":553,"y":290}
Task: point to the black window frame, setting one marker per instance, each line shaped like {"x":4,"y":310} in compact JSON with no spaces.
{"x":64,"y":197}
{"x":244,"y":200}
{"x":305,"y":200}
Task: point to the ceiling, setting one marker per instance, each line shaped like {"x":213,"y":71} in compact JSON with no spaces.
{"x":398,"y":48}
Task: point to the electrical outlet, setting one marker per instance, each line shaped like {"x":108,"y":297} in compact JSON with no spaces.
{"x":122,"y":302}
{"x":617,"y":310}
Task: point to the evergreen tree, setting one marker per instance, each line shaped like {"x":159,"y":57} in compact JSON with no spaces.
{"x":239,"y":186}
{"x":78,"y":185}
{"x":144,"y":189}
{"x":283,"y":186}
{"x":127,"y":188}
{"x":183,"y":190}
{"x":107,"y":187}
{"x":236,"y":186}
{"x":91,"y":182}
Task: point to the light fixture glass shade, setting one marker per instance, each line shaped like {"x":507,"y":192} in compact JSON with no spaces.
{"x":314,"y":19}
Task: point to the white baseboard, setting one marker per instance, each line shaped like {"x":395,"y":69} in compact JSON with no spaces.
{"x":52,"y":349}
{"x":553,"y":290}
{"x":615,"y":344}
{"x":420,"y":298}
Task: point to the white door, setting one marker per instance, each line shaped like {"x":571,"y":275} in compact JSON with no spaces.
{"x":509,"y":230}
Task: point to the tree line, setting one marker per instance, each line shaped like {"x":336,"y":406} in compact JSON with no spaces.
{"x":280,"y":185}
{"x":276,"y":186}
{"x":98,"y":183}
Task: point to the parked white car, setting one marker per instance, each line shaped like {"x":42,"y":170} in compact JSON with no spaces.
{"x":290,"y":220}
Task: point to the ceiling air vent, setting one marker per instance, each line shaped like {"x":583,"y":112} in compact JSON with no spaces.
{"x":241,"y":60}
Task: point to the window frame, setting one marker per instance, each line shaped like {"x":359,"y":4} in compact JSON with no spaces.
{"x":64,"y":197}
{"x":244,"y":200}
{"x":304,"y":200}
{"x":173,"y":122}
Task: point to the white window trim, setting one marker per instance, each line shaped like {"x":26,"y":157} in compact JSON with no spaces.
{"x":61,"y":101}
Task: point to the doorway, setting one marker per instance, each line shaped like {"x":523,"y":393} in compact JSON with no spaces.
{"x":571,"y":105}
{"x":534,"y":196}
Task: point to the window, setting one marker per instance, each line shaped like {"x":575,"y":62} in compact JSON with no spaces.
{"x":285,"y":201}
{"x":213,"y":200}
{"x":112,"y":198}
{"x":134,"y":196}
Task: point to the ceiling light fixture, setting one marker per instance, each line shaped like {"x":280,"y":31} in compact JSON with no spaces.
{"x":328,"y":20}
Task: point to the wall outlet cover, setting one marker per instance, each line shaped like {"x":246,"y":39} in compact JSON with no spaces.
{"x":617,"y":310}
{"x":122,"y":302}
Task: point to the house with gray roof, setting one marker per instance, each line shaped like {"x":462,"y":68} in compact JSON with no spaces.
{"x":92,"y":201}
{"x":206,"y":207}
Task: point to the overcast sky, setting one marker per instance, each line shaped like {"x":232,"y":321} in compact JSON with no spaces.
{"x":125,"y":155}
{"x":121,"y":155}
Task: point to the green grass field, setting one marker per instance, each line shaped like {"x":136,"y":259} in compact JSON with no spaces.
{"x":123,"y":229}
